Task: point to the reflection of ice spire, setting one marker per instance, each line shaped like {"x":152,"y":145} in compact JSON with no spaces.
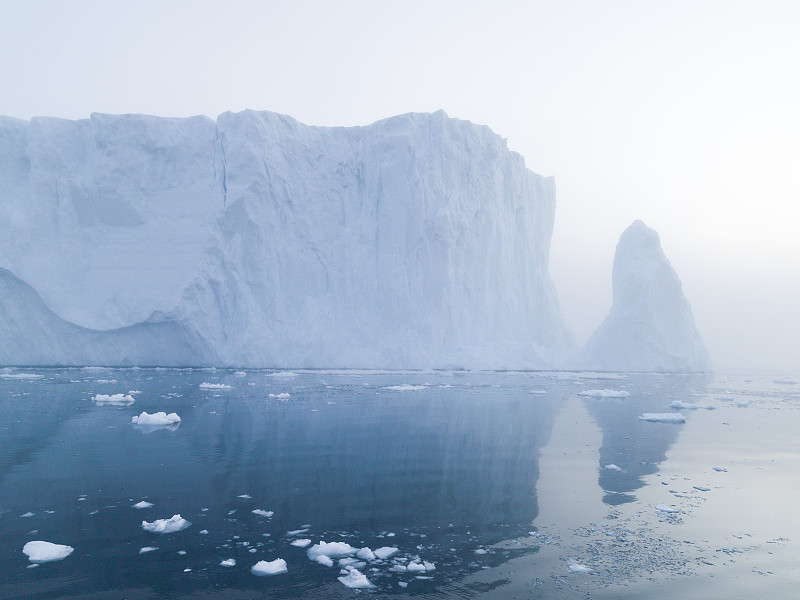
{"x":568,"y":468}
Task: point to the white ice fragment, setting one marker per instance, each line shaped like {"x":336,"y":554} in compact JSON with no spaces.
{"x":171,"y":525}
{"x":244,"y":496}
{"x":663,"y":417}
{"x":203,"y":532}
{"x":386,"y":552}
{"x":613,"y":467}
{"x":228,"y":562}
{"x":324,"y":560}
{"x":301,"y":543}
{"x":667,"y":509}
{"x":406,"y":387}
{"x":605,"y":393}
{"x":351,"y":563}
{"x":281,"y":396}
{"x":356,"y":580}
{"x":365,"y":554}
{"x":240,"y":374}
{"x":156,"y":419}
{"x":283,"y":375}
{"x":274,"y":567}
{"x":38,"y":551}
{"x":114,"y":400}
{"x":690,"y":405}
{"x":147,"y":549}
{"x":429,"y":566}
{"x":578,"y":568}
{"x":20,"y":376}
{"x":263,"y":513}
{"x":539,"y":392}
{"x":481,"y":551}
{"x":402,"y":584}
{"x":415,"y":567}
{"x":27,"y":515}
{"x":214,"y":386}
{"x":134,"y":392}
{"x":142,"y":504}
{"x":331,"y":550}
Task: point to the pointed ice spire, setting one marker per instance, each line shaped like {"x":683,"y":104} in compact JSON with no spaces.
{"x":650,"y":326}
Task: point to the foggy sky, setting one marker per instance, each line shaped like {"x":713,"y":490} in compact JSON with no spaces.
{"x":682,"y":114}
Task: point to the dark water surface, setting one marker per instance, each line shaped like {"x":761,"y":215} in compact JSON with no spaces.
{"x":514,"y":466}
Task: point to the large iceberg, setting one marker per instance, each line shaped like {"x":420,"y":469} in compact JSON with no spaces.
{"x":650,"y":326}
{"x":254,"y":240}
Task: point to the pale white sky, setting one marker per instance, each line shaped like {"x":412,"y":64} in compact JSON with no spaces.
{"x":685,"y":114}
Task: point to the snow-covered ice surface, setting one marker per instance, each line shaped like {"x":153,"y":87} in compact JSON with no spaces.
{"x":477,"y":488}
{"x":39,"y":551}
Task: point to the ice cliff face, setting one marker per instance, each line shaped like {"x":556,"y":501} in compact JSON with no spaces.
{"x":418,"y":241}
{"x":650,"y":326}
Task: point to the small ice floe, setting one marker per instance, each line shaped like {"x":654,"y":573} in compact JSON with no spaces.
{"x":273,"y":567}
{"x":613,"y":467}
{"x":406,"y":387}
{"x":229,"y":562}
{"x":355,"y":579}
{"x":281,"y":396}
{"x":539,"y":392}
{"x":664,"y":508}
{"x":283,"y":374}
{"x":147,"y":549}
{"x":159,"y":419}
{"x":39,"y":551}
{"x":420,"y":567}
{"x":214,"y":386}
{"x":295,"y":532}
{"x":386,"y":552}
{"x":720,"y":469}
{"x":605,"y":393}
{"x":263,"y":513}
{"x":690,"y":405}
{"x":204,"y":532}
{"x":663,"y":417}
{"x":27,"y":515}
{"x":365,"y":554}
{"x":301,"y":543}
{"x":134,"y":392}
{"x":20,"y":376}
{"x":575,"y":567}
{"x":244,"y":496}
{"x":325,"y":552}
{"x":171,"y":525}
{"x":181,"y":552}
{"x":240,"y":374}
{"x":105,"y":381}
{"x":142,"y":504}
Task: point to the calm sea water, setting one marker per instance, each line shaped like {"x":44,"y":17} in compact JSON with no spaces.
{"x":512,"y":484}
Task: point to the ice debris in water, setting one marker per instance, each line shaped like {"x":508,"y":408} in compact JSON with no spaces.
{"x":27,"y":515}
{"x":230,"y":562}
{"x":281,"y":396}
{"x":240,"y":373}
{"x":263,"y":513}
{"x":386,"y":552}
{"x":355,"y":579}
{"x":605,"y":393}
{"x":147,"y":549}
{"x":365,"y":554}
{"x":663,"y":417}
{"x":171,"y":525}
{"x":406,"y":387}
{"x":301,"y":543}
{"x":481,"y":551}
{"x":115,"y":399}
{"x":39,"y":551}
{"x":156,"y":419}
{"x":142,"y":504}
{"x":214,"y":386}
{"x":575,"y":567}
{"x":690,"y":405}
{"x":324,"y":552}
{"x":244,"y":496}
{"x":274,"y":567}
{"x":20,"y":376}
{"x":613,"y":467}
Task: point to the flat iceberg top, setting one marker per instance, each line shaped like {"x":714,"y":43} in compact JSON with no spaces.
{"x":39,"y":551}
{"x":156,"y":419}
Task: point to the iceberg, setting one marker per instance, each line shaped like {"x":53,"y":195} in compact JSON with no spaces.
{"x":274,"y":567}
{"x":159,"y":419}
{"x":650,"y":326}
{"x":663,"y":417}
{"x":114,"y":399}
{"x":171,"y":525}
{"x":356,"y":580}
{"x":39,"y":551}
{"x":253,"y":240}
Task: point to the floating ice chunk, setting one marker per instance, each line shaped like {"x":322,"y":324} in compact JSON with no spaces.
{"x":147,"y":549}
{"x":204,"y":532}
{"x":105,"y":381}
{"x":240,"y":374}
{"x":331,"y":550}
{"x":612,"y":467}
{"x":415,"y":567}
{"x":142,"y":504}
{"x":578,"y":568}
{"x":244,"y":496}
{"x":539,"y":392}
{"x":720,"y":469}
{"x":663,"y":417}
{"x":324,"y":560}
{"x":281,"y":396}
{"x":294,"y":532}
{"x":274,"y":567}
{"x":283,"y":374}
{"x":351,"y":563}
{"x":20,"y":376}
{"x":402,"y":584}
{"x":115,"y":399}
{"x":386,"y":552}
{"x":214,"y":386}
{"x":171,"y":525}
{"x":667,"y":509}
{"x":134,"y":392}
{"x":429,"y":566}
{"x":263,"y":513}
{"x":406,"y":387}
{"x":605,"y":393}
{"x":356,"y":580}
{"x":228,"y":562}
{"x":158,"y":419}
{"x":365,"y":554}
{"x":301,"y":543}
{"x":39,"y":552}
{"x":481,"y":551}
{"x":27,"y":515}
{"x":690,"y":405}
